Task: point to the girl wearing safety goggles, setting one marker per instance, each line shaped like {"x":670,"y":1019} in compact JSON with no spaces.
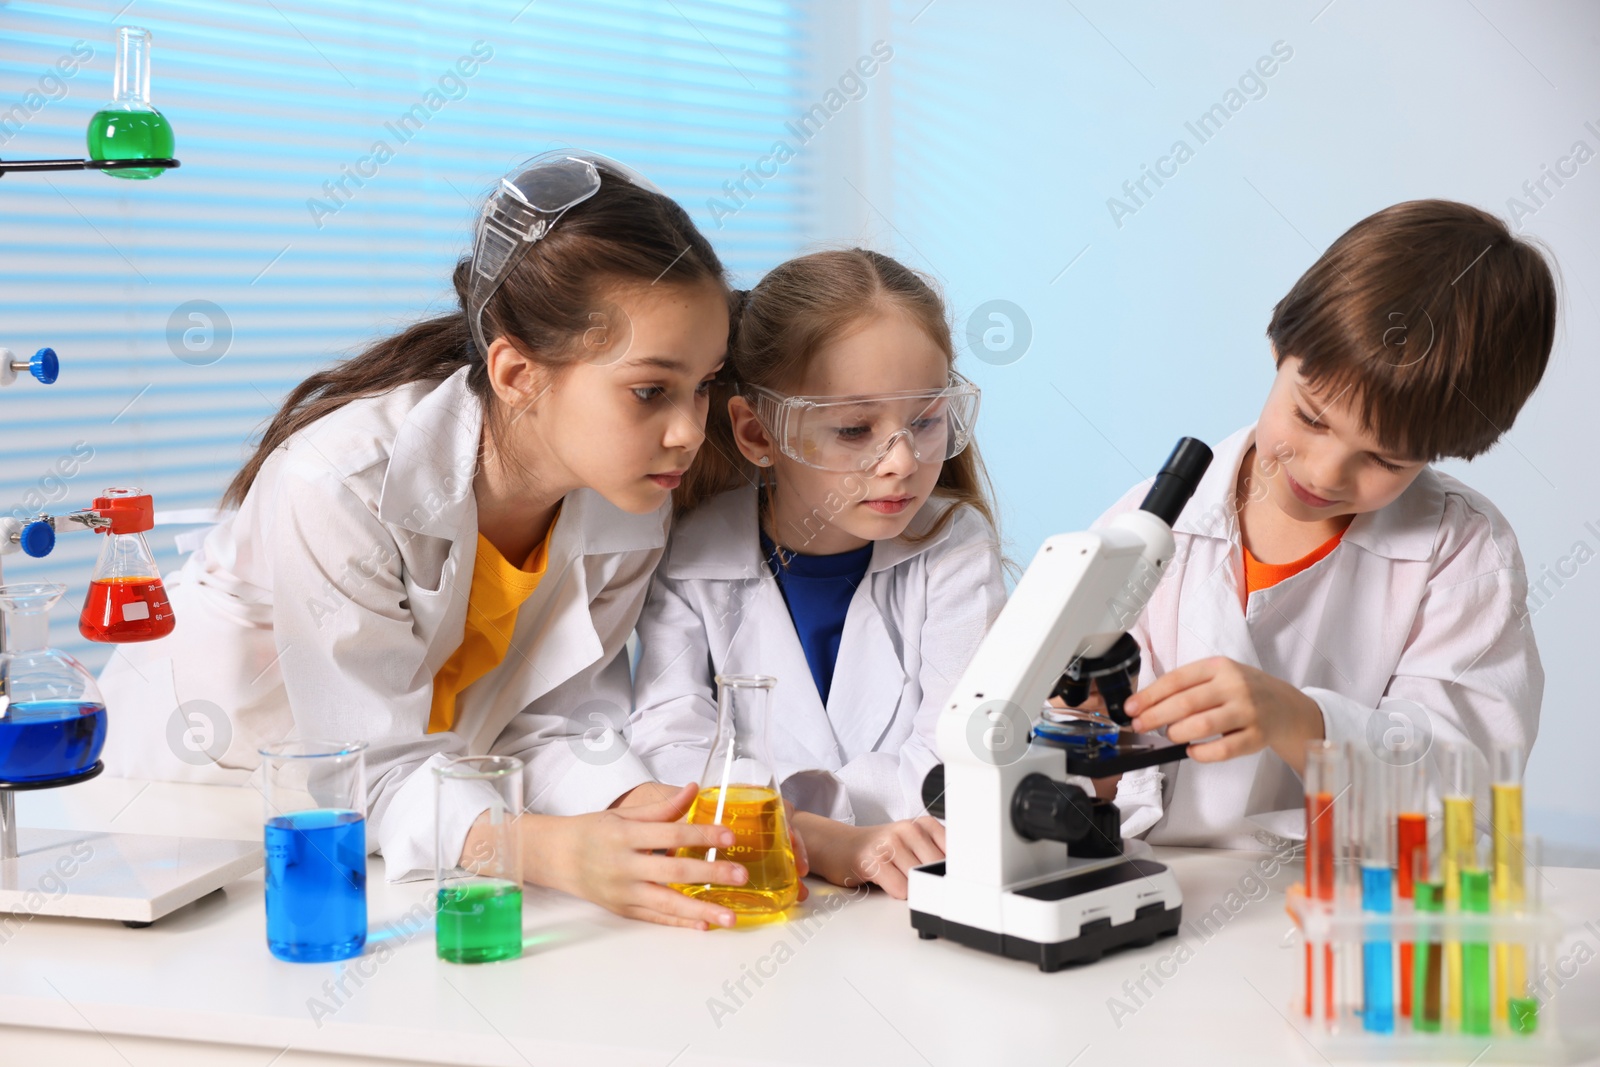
{"x":441,"y":546}
{"x":836,"y":531}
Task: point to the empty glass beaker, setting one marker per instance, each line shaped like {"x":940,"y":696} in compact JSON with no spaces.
{"x":127,"y":600}
{"x":129,"y":127}
{"x":738,"y":790}
{"x":53,"y":721}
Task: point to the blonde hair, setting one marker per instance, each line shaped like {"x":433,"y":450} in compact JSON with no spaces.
{"x":777,"y":327}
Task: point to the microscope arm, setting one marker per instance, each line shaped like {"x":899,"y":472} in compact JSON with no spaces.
{"x":1078,"y":598}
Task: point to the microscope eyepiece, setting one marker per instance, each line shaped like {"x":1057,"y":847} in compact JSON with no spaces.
{"x":1176,"y":482}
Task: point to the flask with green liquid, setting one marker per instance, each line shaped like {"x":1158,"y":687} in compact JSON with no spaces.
{"x":129,"y":128}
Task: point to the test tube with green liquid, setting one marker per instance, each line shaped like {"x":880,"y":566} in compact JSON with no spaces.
{"x":1427,"y":989}
{"x":1522,"y":1007}
{"x":478,"y":883}
{"x":1477,"y":984}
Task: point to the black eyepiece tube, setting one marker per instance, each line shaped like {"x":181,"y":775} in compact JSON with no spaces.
{"x":1176,"y":483}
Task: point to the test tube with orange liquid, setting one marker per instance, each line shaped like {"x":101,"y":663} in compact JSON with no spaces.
{"x":1326,"y":782}
{"x":1411,"y":835}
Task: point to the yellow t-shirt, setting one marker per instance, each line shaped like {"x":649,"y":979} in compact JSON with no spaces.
{"x":497,"y":594}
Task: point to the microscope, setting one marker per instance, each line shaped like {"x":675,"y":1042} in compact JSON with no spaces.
{"x":1035,"y":868}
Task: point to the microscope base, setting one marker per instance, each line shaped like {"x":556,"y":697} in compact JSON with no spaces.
{"x":1086,"y":902}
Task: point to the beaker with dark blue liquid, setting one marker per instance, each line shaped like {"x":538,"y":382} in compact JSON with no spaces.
{"x":52,"y":720}
{"x":316,"y":843}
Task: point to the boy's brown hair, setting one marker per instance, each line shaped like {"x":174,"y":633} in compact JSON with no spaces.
{"x":1433,"y":316}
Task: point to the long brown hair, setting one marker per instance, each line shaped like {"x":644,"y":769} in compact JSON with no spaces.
{"x":791,"y":314}
{"x":623,"y":234}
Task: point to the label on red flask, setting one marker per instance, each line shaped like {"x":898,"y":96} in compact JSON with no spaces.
{"x":122,"y":610}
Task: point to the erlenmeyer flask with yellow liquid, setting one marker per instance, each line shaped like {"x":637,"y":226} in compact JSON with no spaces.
{"x":738,"y":790}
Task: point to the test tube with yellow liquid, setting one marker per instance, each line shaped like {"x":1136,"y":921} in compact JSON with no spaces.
{"x":1460,"y":854}
{"x":739,"y":791}
{"x":1510,"y":890}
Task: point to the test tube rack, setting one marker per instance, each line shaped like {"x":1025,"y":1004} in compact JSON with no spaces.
{"x":1330,"y":1001}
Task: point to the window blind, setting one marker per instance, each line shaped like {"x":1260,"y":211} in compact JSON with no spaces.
{"x":334,"y":155}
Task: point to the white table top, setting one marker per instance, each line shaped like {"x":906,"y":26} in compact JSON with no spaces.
{"x":853,"y":985}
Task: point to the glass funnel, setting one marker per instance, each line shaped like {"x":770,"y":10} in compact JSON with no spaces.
{"x":738,"y":790}
{"x":52,"y":719}
{"x":129,"y":127}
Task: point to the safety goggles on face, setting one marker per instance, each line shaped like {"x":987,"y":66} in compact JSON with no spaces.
{"x":854,"y":433}
{"x":522,"y":210}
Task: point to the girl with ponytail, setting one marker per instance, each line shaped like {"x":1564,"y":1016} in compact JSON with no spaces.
{"x":441,"y":545}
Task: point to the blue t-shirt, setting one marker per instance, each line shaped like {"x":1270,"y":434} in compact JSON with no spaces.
{"x":817,"y":590}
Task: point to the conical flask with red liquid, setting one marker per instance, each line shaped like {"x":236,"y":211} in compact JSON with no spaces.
{"x":127,"y":601}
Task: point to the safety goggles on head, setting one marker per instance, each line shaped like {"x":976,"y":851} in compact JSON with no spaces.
{"x":522,"y":210}
{"x":855,"y":433}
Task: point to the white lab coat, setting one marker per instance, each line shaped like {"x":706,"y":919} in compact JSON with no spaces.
{"x":914,"y":622}
{"x":325,"y":605}
{"x":1421,"y":604}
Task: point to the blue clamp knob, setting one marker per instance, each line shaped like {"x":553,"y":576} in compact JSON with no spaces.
{"x":46,"y":367}
{"x":38,"y":537}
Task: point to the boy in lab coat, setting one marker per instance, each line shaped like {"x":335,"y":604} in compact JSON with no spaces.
{"x":1328,"y":581}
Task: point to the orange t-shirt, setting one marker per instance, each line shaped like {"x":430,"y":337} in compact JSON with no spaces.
{"x":493,"y":601}
{"x":1258,"y":575}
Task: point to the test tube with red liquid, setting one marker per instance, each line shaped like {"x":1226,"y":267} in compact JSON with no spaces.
{"x":1326,"y":782}
{"x":127,"y":601}
{"x":1411,"y":833}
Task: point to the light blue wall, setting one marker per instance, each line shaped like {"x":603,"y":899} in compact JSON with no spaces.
{"x":1012,"y":124}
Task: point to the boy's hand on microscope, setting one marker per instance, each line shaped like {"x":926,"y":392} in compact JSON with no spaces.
{"x":1244,"y":709}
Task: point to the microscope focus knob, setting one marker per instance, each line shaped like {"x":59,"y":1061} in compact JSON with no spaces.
{"x":1043,"y":809}
{"x":933,"y":791}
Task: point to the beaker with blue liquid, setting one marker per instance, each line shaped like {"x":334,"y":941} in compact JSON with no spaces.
{"x":316,"y":842}
{"x":52,"y":719}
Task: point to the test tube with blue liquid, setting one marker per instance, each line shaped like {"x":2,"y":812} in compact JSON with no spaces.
{"x":316,"y":843}
{"x":1377,"y":893}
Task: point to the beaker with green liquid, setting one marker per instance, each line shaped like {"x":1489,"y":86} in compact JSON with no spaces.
{"x":129,"y":127}
{"x":478,"y":885}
